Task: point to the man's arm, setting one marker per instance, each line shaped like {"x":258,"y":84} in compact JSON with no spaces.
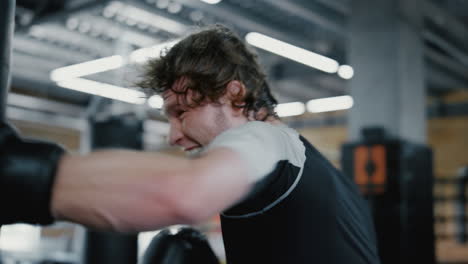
{"x":134,"y":191}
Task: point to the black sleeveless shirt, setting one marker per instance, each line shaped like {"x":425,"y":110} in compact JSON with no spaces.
{"x":309,"y":213}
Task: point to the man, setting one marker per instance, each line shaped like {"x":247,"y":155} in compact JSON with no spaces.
{"x":281,"y":200}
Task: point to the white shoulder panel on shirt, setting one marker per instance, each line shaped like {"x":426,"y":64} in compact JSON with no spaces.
{"x":262,"y":145}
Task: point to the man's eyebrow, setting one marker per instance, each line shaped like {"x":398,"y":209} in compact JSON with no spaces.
{"x":165,"y":96}
{"x":170,"y":109}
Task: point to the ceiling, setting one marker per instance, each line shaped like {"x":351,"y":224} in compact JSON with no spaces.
{"x":51,"y":34}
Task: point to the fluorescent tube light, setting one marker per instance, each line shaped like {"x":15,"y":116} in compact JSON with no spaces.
{"x":87,"y":68}
{"x":330,"y":104}
{"x":156,"y":101}
{"x":105,"y":90}
{"x":346,"y":72}
{"x":107,"y":63}
{"x":211,"y":2}
{"x":290,"y":109}
{"x":292,"y":52}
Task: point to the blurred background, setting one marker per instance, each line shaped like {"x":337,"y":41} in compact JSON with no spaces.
{"x":398,"y":68}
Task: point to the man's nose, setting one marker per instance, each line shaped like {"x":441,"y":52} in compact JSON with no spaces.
{"x":175,"y":133}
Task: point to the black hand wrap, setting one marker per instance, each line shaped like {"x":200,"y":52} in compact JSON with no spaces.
{"x":27,"y":173}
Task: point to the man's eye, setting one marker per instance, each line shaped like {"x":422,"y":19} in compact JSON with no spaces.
{"x":180,"y":113}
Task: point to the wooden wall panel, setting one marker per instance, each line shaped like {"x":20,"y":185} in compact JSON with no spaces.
{"x":327,"y":140}
{"x":67,"y":137}
{"x":448,"y":138}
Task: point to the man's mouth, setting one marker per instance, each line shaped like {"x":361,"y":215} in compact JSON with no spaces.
{"x":192,"y":151}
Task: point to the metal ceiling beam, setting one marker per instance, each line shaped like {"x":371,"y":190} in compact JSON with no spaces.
{"x":332,"y":84}
{"x":306,"y":89}
{"x":317,"y":16}
{"x":296,"y":90}
{"x":456,"y":53}
{"x":313,"y":121}
{"x":325,"y":83}
{"x":35,"y":77}
{"x":63,"y":35}
{"x":36,"y":85}
{"x":123,"y":28}
{"x":48,"y":51}
{"x":27,"y":64}
{"x":52,"y":119}
{"x":43,"y":105}
{"x":337,"y":5}
{"x":439,"y":81}
{"x":163,"y":14}
{"x":245,"y":21}
{"x":59,"y":16}
{"x":442,"y":18}
{"x":450,"y":65}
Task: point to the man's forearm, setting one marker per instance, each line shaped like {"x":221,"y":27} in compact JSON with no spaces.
{"x":121,"y":190}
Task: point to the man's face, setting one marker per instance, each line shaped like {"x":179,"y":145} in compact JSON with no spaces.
{"x":193,"y":128}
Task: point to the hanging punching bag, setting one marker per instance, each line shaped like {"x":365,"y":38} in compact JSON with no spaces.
{"x":7,"y":15}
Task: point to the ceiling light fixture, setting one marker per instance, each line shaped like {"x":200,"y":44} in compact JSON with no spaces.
{"x":346,"y":72}
{"x":290,"y":109}
{"x":156,"y":101}
{"x":292,"y":52}
{"x":330,"y":104}
{"x":105,"y":90}
{"x":87,"y":68}
{"x":211,"y":2}
{"x":107,"y":63}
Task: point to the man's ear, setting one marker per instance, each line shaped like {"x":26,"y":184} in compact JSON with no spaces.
{"x":235,"y":93}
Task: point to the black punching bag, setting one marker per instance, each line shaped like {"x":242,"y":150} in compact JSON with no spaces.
{"x":107,"y":247}
{"x":7,"y":15}
{"x":396,"y":178}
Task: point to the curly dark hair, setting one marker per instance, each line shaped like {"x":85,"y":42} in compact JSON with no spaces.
{"x":210,"y":59}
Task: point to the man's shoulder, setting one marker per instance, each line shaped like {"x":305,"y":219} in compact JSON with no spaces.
{"x":266,"y":127}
